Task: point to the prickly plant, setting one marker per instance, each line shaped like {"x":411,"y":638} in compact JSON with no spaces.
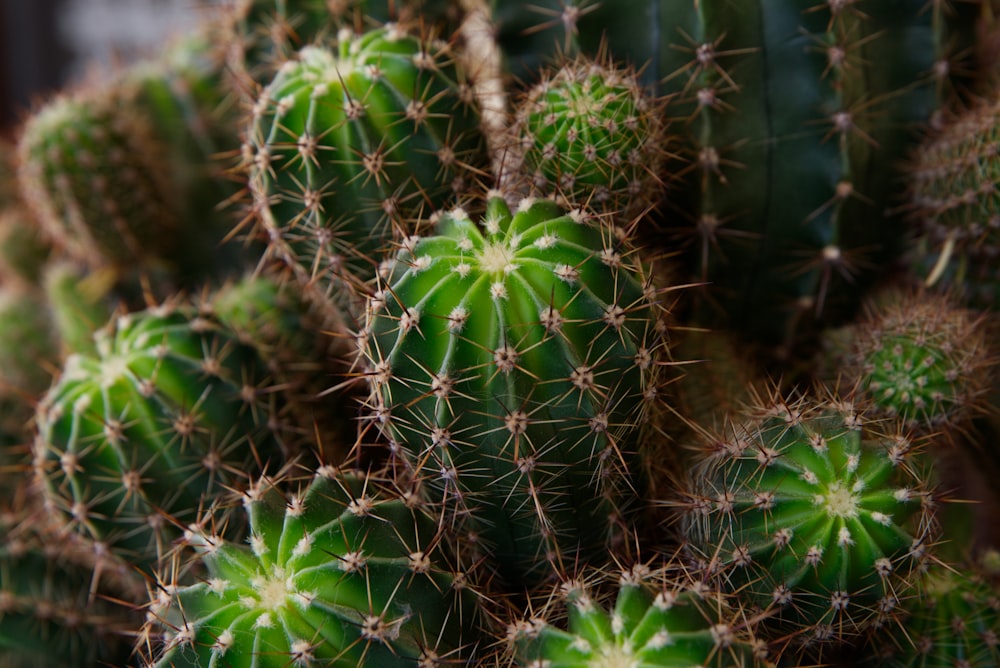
{"x":812,"y":515}
{"x":919,"y":357}
{"x":260,"y":35}
{"x":92,"y":171}
{"x":170,"y":413}
{"x":951,"y":198}
{"x":339,"y":574}
{"x":956,"y":622}
{"x":657,"y":620}
{"x":55,"y":611}
{"x":791,"y":119}
{"x":24,"y":248}
{"x":511,"y":364}
{"x":346,"y":145}
{"x":590,"y":132}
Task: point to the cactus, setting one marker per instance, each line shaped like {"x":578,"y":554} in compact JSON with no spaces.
{"x":794,"y":116}
{"x":951,"y":201}
{"x":955,"y":623}
{"x":920,"y":358}
{"x":169,"y":414}
{"x":591,"y":133}
{"x":91,"y":170}
{"x":812,"y":516}
{"x":338,"y":575}
{"x":657,"y":621}
{"x":510,"y":364}
{"x":23,"y":247}
{"x":55,"y":611}
{"x":347,"y":145}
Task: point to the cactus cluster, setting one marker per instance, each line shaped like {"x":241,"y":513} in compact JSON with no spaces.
{"x":497,"y":333}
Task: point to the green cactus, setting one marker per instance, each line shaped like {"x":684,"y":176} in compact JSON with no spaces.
{"x":170,"y":413}
{"x":591,"y":133}
{"x":92,"y":172}
{"x":24,"y":248}
{"x":919,"y":357}
{"x":656,"y":621}
{"x":510,"y":365}
{"x":956,"y":622}
{"x":346,"y":146}
{"x":339,"y":575}
{"x":811,"y":516}
{"x":953,"y":205}
{"x":55,"y":612}
{"x":793,"y":117}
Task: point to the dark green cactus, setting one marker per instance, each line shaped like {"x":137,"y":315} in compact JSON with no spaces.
{"x":347,"y":145}
{"x":55,"y":610}
{"x":812,"y":516}
{"x":338,"y":575}
{"x":511,"y":365}
{"x":657,"y":621}
{"x":792,"y":117}
{"x":956,"y":622}
{"x":170,"y":413}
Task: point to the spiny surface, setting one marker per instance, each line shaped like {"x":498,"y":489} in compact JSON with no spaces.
{"x":511,"y":365}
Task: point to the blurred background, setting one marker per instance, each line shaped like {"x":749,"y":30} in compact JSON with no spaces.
{"x":48,"y":44}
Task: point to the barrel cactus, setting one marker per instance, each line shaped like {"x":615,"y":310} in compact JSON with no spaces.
{"x":590,"y":132}
{"x":511,"y":364}
{"x":338,"y":574}
{"x":170,"y":413}
{"x":813,"y":516}
{"x":345,"y":146}
{"x":657,"y":620}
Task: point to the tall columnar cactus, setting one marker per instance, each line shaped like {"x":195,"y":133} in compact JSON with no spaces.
{"x":919,"y":357}
{"x":952,"y":199}
{"x":591,"y":133}
{"x":347,"y":145}
{"x":170,"y":413}
{"x":657,"y":621}
{"x":338,"y":575}
{"x":812,"y":516}
{"x":511,"y":364}
{"x":792,"y":119}
{"x":55,"y":611}
{"x":955,"y":623}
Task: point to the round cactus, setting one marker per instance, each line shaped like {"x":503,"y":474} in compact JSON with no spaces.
{"x":94,"y":175}
{"x":956,"y":622}
{"x":590,"y":132}
{"x":657,"y":621}
{"x":344,"y":146}
{"x":171,"y":412}
{"x":953,"y":201}
{"x":337,"y":575}
{"x":812,"y":517}
{"x":919,"y":357}
{"x":511,"y":364}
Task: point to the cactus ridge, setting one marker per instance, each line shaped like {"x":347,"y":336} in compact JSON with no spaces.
{"x":656,"y":620}
{"x":339,"y":574}
{"x":511,"y":365}
{"x":170,"y":413}
{"x":812,"y":516}
{"x":347,"y":145}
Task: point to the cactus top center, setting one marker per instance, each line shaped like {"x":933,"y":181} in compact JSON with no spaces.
{"x":496,"y":257}
{"x":273,"y":591}
{"x":614,"y":656}
{"x":841,"y":501}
